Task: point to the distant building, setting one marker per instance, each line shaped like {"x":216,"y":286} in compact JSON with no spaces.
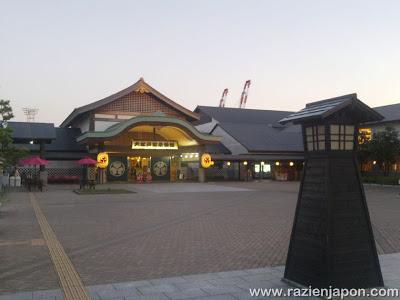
{"x":255,"y":141}
{"x":392,"y":119}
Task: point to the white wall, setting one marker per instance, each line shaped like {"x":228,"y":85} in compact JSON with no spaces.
{"x":83,"y":124}
{"x":207,"y":127}
{"x":103,"y":125}
{"x":229,"y":142}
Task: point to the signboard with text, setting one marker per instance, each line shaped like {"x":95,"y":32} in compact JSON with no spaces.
{"x":157,"y":145}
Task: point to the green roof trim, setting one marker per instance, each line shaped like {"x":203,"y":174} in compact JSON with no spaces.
{"x":141,"y":120}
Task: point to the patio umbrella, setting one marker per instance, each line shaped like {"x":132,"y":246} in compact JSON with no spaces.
{"x":21,"y":162}
{"x":33,"y":161}
{"x":87,"y":161}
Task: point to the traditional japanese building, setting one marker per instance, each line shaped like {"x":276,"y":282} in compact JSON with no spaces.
{"x":139,"y":131}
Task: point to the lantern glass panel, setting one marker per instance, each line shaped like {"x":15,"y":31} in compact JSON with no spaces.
{"x":315,"y":138}
{"x":335,"y":129}
{"x":342,"y":137}
{"x":349,"y":130}
{"x":349,"y":145}
{"x":334,"y":145}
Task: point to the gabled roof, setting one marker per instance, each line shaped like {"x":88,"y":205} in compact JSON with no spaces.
{"x":141,"y":86}
{"x":27,"y":131}
{"x":322,"y":109}
{"x":257,"y":130}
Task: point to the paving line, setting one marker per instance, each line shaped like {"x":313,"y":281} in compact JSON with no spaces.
{"x":34,"y":242}
{"x":70,"y":281}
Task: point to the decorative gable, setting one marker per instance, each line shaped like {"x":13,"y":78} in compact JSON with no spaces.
{"x":139,"y":102}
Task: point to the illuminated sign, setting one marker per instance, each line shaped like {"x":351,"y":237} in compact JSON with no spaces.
{"x":102,"y":160}
{"x":190,"y":157}
{"x":206,"y":160}
{"x":159,"y":145}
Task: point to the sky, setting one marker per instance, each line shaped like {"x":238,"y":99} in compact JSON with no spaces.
{"x":58,"y":55}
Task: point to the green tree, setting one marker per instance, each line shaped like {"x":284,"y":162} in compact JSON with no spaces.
{"x":384,"y":147}
{"x":6,"y":112}
{"x":8,"y":151}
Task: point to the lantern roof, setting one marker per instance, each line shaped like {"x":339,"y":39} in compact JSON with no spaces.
{"x":320,"y":110}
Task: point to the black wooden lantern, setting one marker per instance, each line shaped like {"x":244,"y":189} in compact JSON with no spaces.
{"x":332,"y":242}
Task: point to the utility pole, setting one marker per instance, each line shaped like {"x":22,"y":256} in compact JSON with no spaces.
{"x":30,"y":113}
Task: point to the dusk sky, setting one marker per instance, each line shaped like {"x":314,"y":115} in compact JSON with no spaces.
{"x":58,"y":55}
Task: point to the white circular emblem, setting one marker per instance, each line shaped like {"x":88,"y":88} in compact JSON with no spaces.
{"x":117,"y":168}
{"x":160,"y":168}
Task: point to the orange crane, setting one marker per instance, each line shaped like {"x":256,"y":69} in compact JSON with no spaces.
{"x":245,"y":93}
{"x":223,"y":98}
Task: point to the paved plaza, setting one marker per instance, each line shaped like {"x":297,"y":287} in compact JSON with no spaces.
{"x":164,"y":231}
{"x":231,"y":285}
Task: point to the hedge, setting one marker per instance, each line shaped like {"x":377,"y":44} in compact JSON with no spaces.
{"x":385,"y":180}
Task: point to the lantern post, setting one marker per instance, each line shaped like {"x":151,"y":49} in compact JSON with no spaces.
{"x":332,"y":242}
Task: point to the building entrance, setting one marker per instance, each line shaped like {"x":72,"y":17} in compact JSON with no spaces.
{"x":148,"y":168}
{"x":139,"y":168}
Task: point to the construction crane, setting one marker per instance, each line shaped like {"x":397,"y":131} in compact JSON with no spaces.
{"x":223,"y":98}
{"x":243,"y":97}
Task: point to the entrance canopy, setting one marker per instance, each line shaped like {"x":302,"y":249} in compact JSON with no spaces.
{"x":150,"y":128}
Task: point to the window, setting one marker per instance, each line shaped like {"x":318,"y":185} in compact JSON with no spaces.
{"x":342,"y":137}
{"x":364,"y":135}
{"x":315,"y":138}
{"x":266,"y":168}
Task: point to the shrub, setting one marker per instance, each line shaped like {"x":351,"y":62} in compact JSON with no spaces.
{"x":384,"y":180}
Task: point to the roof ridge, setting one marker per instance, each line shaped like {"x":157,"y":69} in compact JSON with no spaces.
{"x":25,"y":122}
{"x":386,"y":105}
{"x":343,"y":97}
{"x":244,"y":109}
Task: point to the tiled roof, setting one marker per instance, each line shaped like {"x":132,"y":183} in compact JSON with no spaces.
{"x":257,"y":130}
{"x":32,"y":131}
{"x":389,"y":112}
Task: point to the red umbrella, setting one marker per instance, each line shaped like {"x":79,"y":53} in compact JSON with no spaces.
{"x":33,"y":161}
{"x":86,"y":161}
{"x":21,"y":162}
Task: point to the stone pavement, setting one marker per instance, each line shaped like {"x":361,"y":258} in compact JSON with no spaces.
{"x":211,"y":286}
{"x":151,"y":234}
{"x":187,"y":187}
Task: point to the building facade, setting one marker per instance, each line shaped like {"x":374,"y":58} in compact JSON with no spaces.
{"x":139,"y":134}
{"x":142,"y":134}
{"x":258,"y":147}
